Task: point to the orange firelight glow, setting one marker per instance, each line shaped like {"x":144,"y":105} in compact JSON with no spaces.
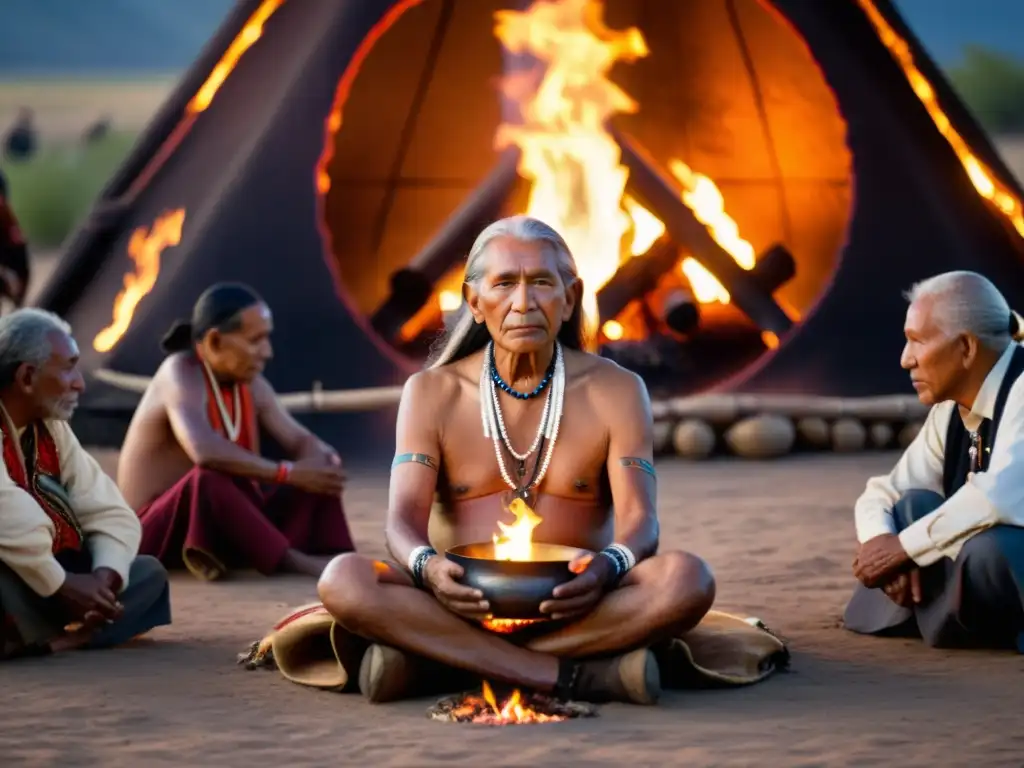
{"x":566,"y":150}
{"x":578,"y":183}
{"x":144,"y":248}
{"x":485,"y":709}
{"x":981,"y":176}
{"x":251,"y":32}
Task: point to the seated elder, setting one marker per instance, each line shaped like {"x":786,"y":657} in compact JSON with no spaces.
{"x":69,"y":574}
{"x":512,"y":407}
{"x":941,"y":544}
{"x":191,"y":463}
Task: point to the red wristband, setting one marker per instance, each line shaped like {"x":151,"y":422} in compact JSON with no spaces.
{"x":284,"y":469}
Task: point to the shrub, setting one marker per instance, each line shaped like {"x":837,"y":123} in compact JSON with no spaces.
{"x":992,"y":85}
{"x":53,"y":190}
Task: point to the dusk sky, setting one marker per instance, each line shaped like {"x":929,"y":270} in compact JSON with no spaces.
{"x":140,"y":36}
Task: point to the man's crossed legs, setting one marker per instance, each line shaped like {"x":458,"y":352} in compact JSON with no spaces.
{"x":604,"y":656}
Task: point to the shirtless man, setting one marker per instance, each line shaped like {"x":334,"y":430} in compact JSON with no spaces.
{"x":191,"y":465}
{"x":591,"y":481}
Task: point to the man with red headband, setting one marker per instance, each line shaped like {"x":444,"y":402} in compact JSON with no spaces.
{"x":191,"y":464}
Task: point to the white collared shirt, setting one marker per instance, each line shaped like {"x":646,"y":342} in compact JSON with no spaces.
{"x":989,"y":498}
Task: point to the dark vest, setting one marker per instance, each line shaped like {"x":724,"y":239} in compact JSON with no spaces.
{"x":956,"y":461}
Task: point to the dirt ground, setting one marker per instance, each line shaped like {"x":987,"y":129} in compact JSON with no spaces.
{"x":778,"y":536}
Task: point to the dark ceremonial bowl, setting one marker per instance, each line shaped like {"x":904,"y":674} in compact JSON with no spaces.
{"x":515,"y":589}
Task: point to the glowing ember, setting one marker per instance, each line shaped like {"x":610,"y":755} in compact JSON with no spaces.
{"x":449,"y":301}
{"x":516,"y":540}
{"x":508,"y":626}
{"x":982,"y":178}
{"x":567,"y":154}
{"x":251,"y":32}
{"x":613,"y":330}
{"x":516,"y":709}
{"x":144,"y":248}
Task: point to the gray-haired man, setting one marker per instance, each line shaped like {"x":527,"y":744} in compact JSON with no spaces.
{"x":69,"y":575}
{"x":942,"y":535}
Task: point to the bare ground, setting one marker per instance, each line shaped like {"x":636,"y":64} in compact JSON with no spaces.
{"x":778,"y":536}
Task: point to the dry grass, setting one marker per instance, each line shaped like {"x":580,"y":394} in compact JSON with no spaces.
{"x":64,"y":107}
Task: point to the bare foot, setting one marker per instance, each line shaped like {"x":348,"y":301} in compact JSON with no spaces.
{"x":308,"y":565}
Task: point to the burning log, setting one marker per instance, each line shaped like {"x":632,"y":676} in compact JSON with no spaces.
{"x":662,"y":196}
{"x":680,"y":312}
{"x":636,"y":278}
{"x":639,"y":276}
{"x":516,"y":709}
{"x":774,"y":268}
{"x":413,"y":285}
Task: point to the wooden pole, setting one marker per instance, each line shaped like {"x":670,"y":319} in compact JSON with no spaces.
{"x":715,"y":409}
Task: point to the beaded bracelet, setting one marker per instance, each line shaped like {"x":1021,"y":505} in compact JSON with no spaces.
{"x":284,"y":470}
{"x":418,"y":561}
{"x":622,"y":559}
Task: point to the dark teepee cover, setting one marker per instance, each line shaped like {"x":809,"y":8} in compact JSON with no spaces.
{"x":797,"y":110}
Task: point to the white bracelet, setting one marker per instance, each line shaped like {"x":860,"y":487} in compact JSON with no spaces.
{"x":415,"y":555}
{"x":627,"y":553}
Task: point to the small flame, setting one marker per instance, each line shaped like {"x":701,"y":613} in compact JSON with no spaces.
{"x":981,"y":177}
{"x":513,"y":711}
{"x":251,"y":32}
{"x":516,"y":541}
{"x":144,"y":248}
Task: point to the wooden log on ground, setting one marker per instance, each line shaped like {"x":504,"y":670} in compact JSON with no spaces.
{"x":716,"y":409}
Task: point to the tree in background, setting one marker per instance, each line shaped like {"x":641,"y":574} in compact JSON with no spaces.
{"x":992,"y":85}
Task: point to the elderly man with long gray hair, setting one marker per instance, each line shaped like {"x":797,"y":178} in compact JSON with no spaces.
{"x":941,"y":550}
{"x":69,"y":574}
{"x":512,"y":374}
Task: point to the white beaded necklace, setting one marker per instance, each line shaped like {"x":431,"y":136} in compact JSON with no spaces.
{"x":494,"y":423}
{"x":233,"y":429}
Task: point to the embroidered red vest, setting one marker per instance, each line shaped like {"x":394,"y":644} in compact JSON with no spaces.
{"x":248,"y":434}
{"x":33,"y":463}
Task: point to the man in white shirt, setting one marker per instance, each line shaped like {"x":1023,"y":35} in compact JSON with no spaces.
{"x":70,"y":574}
{"x":941,"y":537}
